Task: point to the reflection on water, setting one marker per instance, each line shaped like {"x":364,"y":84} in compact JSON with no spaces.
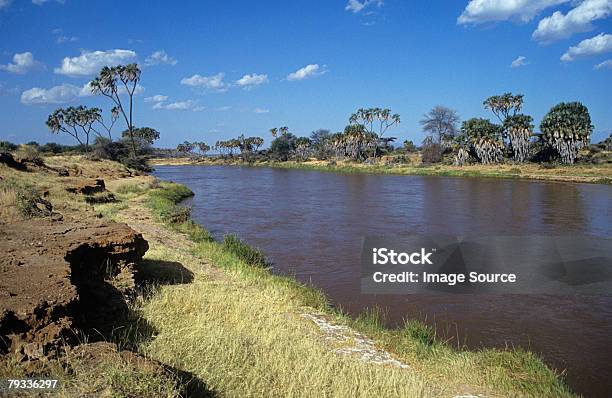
{"x":311,"y":225}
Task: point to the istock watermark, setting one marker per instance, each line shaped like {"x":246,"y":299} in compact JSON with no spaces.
{"x":563,"y":265}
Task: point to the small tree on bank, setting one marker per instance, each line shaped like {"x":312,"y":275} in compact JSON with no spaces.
{"x":567,"y":128}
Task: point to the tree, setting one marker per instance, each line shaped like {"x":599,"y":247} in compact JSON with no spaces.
{"x":141,"y":138}
{"x":302,"y":147}
{"x":505,"y":105}
{"x":283,"y":146}
{"x":114,"y":116}
{"x":279,"y":131}
{"x":371,"y":116}
{"x":186,"y":147}
{"x":519,"y":129}
{"x":74,"y":121}
{"x":108,"y":82}
{"x":485,"y":137}
{"x":441,"y":124}
{"x":409,"y":146}
{"x":202,"y":147}
{"x":358,"y":141}
{"x":567,"y":128}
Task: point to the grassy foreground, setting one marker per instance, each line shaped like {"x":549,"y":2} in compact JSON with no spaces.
{"x":242,"y":331}
{"x":596,"y":174}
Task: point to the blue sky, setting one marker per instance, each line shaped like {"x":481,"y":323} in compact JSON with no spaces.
{"x":216,"y":69}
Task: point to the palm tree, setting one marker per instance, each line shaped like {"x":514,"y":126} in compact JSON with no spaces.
{"x":107,"y":84}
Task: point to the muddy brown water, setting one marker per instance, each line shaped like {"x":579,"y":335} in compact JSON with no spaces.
{"x":311,"y":225}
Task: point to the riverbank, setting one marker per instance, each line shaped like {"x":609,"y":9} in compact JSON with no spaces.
{"x":595,"y":174}
{"x":215,"y":314}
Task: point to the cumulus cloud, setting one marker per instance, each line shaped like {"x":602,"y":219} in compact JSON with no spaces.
{"x":90,"y":62}
{"x":602,"y":43}
{"x":212,"y":83}
{"x":249,"y":81}
{"x":480,"y":11}
{"x":607,"y":64}
{"x":261,"y":110}
{"x":55,"y":95}
{"x":519,"y":61}
{"x":306,"y":72}
{"x":160,"y":57}
{"x":356,"y":6}
{"x":22,"y":63}
{"x":156,"y":98}
{"x":560,"y":26}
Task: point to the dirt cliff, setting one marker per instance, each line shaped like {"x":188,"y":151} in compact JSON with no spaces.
{"x":58,"y":277}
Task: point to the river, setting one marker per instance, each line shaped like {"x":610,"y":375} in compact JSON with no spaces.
{"x":311,"y":225}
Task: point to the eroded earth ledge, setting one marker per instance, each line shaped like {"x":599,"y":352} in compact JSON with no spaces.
{"x":58,"y":277}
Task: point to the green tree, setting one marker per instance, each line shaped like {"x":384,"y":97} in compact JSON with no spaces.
{"x":302,"y":147}
{"x":505,"y":105}
{"x":74,"y":121}
{"x":375,"y":121}
{"x":283,"y":146}
{"x":486,"y":138}
{"x":519,"y":129}
{"x":111,"y":82}
{"x":186,"y":147}
{"x":567,"y":128}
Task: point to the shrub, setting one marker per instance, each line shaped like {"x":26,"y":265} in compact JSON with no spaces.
{"x":102,"y":197}
{"x":7,"y":146}
{"x":251,"y":256}
{"x":431,"y":153}
{"x":104,"y":148}
{"x":29,"y":153}
{"x":137,"y":163}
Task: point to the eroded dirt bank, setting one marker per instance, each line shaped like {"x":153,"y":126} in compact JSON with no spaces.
{"x":55,"y":275}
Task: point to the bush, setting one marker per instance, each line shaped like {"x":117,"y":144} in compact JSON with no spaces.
{"x":102,"y":197}
{"x":251,"y":256}
{"x":282,"y":147}
{"x":7,"y":146}
{"x":29,"y":153}
{"x":104,"y":148}
{"x":137,"y":163}
{"x":431,"y":153}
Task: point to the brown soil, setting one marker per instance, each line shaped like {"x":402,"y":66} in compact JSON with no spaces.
{"x":54,"y":277}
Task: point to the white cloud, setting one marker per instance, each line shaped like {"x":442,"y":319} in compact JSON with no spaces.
{"x":306,"y":72}
{"x":156,"y":98}
{"x":607,"y":64}
{"x":223,"y":108}
{"x":261,"y":110}
{"x":54,"y":95}
{"x":356,"y":6}
{"x":22,"y":63}
{"x":41,"y":2}
{"x":90,"y":62}
{"x":602,"y":43}
{"x":480,"y":11}
{"x":519,"y":61}
{"x":64,"y":39}
{"x":188,"y":105}
{"x":213,"y":83}
{"x":249,"y":81}
{"x":160,"y":57}
{"x":4,"y":3}
{"x":559,"y":26}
